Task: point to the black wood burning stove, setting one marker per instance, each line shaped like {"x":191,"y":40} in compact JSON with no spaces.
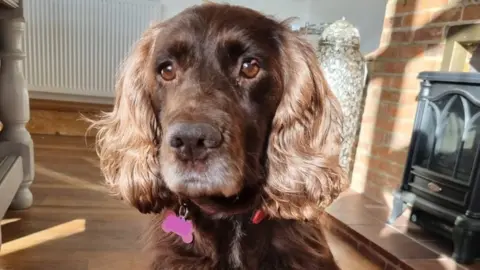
{"x":441,"y":181}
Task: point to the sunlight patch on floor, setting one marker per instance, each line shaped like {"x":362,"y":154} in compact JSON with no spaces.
{"x":8,"y":220}
{"x":54,"y":233}
{"x":67,"y":179}
{"x":92,"y":161}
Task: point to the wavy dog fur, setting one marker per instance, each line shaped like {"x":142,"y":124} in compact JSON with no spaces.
{"x":291,"y":163}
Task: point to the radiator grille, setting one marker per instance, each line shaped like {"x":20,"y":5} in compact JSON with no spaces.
{"x":75,"y":46}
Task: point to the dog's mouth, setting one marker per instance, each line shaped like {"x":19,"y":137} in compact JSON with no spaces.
{"x":243,"y":202}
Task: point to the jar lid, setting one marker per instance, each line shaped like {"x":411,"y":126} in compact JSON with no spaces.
{"x":340,"y":32}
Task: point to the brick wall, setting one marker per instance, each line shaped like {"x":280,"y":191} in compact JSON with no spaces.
{"x":412,"y":41}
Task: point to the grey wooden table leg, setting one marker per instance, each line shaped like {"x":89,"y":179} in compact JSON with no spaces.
{"x":14,"y":104}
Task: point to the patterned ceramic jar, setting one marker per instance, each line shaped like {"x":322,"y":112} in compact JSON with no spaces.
{"x":345,"y":70}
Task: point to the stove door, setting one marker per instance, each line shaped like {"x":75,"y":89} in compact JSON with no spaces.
{"x":449,"y":138}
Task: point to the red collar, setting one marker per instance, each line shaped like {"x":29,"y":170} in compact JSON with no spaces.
{"x":184,"y":228}
{"x":258,"y":216}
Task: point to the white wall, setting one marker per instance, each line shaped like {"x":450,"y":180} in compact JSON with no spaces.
{"x":279,"y":8}
{"x":367,"y":15}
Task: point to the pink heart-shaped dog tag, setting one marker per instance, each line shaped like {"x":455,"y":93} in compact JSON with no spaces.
{"x":178,"y":226}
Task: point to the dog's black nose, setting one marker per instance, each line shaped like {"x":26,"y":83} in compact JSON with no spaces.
{"x":193,"y":140}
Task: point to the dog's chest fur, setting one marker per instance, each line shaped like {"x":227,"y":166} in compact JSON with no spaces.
{"x":237,"y":244}
{"x":235,"y":257}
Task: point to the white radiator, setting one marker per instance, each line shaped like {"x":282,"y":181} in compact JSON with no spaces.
{"x":74,"y":47}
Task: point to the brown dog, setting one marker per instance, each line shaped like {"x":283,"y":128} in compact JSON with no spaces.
{"x":222,"y":115}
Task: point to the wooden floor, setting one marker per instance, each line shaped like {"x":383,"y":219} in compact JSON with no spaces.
{"x":74,"y":225}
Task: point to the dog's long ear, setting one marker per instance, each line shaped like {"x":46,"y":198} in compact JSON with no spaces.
{"x":128,"y":137}
{"x":303,"y":152}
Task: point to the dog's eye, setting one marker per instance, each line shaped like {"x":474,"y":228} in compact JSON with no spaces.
{"x":250,"y":68}
{"x":168,"y":71}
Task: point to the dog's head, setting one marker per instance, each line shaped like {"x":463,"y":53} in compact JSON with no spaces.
{"x":227,"y":108}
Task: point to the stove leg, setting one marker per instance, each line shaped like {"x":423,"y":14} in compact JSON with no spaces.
{"x":398,"y":207}
{"x":464,"y":241}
